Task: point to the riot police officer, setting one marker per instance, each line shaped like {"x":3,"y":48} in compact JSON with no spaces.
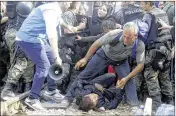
{"x":158,"y":56}
{"x":129,"y":12}
{"x":20,"y":65}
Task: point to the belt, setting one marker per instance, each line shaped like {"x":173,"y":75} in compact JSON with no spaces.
{"x":116,"y":63}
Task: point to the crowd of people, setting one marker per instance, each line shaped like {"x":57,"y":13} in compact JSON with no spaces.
{"x":108,"y":56}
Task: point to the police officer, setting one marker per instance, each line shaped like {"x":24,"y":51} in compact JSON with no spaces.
{"x":20,"y":65}
{"x":169,"y":8}
{"x":158,"y":56}
{"x":4,"y":53}
{"x":128,"y":12}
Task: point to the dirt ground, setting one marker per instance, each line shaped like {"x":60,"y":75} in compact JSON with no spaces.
{"x":73,"y":110}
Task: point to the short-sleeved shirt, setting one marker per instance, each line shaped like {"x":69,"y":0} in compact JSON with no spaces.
{"x":33,"y":29}
{"x":120,"y":51}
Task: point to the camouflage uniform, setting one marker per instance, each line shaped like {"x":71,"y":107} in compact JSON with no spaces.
{"x":21,"y":66}
{"x":157,"y":62}
{"x":4,"y":53}
{"x":158,"y":82}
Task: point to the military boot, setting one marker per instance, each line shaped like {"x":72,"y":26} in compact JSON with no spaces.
{"x":7,"y":92}
{"x":168,"y":99}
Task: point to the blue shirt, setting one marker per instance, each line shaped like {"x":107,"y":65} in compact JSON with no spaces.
{"x":33,"y":29}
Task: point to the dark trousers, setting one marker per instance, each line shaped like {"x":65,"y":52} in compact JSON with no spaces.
{"x":42,"y":56}
{"x":105,"y":80}
{"x":97,"y":64}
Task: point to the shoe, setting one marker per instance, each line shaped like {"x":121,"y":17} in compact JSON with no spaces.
{"x":7,"y":92}
{"x":52,"y":95}
{"x":34,"y":104}
{"x":64,"y":103}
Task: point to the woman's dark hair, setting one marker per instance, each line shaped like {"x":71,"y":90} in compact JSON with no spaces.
{"x":86,"y":104}
{"x":109,"y":10}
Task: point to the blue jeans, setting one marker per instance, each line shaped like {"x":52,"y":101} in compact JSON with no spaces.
{"x":97,"y":64}
{"x":42,"y":56}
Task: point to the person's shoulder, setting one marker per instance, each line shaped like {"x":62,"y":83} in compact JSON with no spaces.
{"x":140,"y":44}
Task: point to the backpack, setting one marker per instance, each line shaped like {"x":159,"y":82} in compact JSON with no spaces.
{"x":142,"y":35}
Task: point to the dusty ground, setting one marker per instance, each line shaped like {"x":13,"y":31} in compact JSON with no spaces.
{"x":73,"y":110}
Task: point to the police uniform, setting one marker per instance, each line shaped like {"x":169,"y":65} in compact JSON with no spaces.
{"x":158,"y":56}
{"x":4,"y":53}
{"x":169,"y":8}
{"x":128,"y":13}
{"x":20,"y":65}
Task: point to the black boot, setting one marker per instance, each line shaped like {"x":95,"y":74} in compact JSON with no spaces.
{"x":168,"y":99}
{"x":27,"y":86}
{"x":7,"y":92}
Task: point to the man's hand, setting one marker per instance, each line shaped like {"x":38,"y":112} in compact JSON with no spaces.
{"x":163,"y":25}
{"x":118,"y":26}
{"x":121,"y":83}
{"x":58,"y":60}
{"x":80,"y":63}
{"x":70,"y":29}
{"x":101,"y":109}
{"x":77,"y":37}
{"x":99,"y":87}
{"x":73,"y":29}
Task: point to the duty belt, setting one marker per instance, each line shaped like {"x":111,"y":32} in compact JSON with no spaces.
{"x":155,"y":45}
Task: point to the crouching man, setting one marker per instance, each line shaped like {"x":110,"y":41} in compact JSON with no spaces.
{"x":116,"y":47}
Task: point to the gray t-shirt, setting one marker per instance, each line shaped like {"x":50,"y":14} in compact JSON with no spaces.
{"x":120,"y":51}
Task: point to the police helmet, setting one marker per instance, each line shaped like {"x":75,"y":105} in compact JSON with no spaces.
{"x":24,"y":8}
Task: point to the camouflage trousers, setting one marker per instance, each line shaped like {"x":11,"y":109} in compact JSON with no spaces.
{"x":20,"y":66}
{"x":158,"y":82}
